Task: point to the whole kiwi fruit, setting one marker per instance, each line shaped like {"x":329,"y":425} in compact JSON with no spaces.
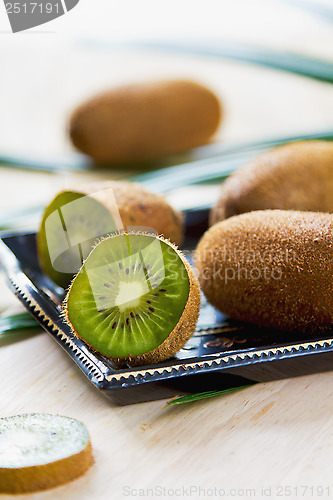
{"x":271,"y":268}
{"x":135,"y":300}
{"x":76,"y":217}
{"x":296,"y":176}
{"x":41,"y":451}
{"x":145,"y":121}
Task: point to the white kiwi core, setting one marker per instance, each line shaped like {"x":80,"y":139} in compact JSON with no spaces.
{"x":129,"y":295}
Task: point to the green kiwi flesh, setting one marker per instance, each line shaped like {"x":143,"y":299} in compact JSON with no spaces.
{"x":69,"y":228}
{"x":135,"y":298}
{"x":40,"y":451}
{"x":77,"y":217}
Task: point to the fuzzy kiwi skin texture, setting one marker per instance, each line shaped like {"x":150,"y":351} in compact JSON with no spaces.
{"x":137,"y":207}
{"x":180,"y":334}
{"x":145,"y":121}
{"x":271,"y":268}
{"x":297,"y":176}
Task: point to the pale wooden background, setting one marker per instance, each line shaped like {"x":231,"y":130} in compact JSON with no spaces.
{"x":276,"y":433}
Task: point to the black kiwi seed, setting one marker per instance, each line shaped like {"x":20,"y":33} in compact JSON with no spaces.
{"x":114,"y":325}
{"x":132,"y":315}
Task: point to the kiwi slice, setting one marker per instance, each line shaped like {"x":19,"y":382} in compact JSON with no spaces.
{"x":135,"y":299}
{"x":75,"y":218}
{"x":40,"y":451}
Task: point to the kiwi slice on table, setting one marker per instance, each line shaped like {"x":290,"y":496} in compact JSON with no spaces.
{"x":77,"y":217}
{"x":135,"y":299}
{"x":40,"y":451}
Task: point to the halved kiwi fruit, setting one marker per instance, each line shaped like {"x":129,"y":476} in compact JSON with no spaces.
{"x":40,"y":451}
{"x":135,"y":299}
{"x":77,"y":217}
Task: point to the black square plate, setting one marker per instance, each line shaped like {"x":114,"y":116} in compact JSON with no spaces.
{"x":218,"y":344}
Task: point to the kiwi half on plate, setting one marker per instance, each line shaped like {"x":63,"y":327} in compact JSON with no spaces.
{"x":77,"y":217}
{"x":40,"y":451}
{"x":136,"y":299}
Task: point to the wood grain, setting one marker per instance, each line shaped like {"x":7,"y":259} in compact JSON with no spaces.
{"x":274,"y":433}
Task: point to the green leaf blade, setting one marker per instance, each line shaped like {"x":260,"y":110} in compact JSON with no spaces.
{"x":190,"y":398}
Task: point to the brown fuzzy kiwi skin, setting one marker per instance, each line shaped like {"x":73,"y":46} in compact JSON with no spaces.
{"x":296,"y":176}
{"x":289,"y":254}
{"x":46,"y":476}
{"x":177,"y":337}
{"x":144,"y":121}
{"x":139,"y":207}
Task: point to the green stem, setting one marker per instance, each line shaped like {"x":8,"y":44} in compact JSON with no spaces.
{"x":203,"y":395}
{"x":290,"y":62}
{"x":15,"y":324}
{"x":226,"y":160}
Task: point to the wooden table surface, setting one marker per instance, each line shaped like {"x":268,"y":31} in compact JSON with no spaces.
{"x":273,"y":439}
